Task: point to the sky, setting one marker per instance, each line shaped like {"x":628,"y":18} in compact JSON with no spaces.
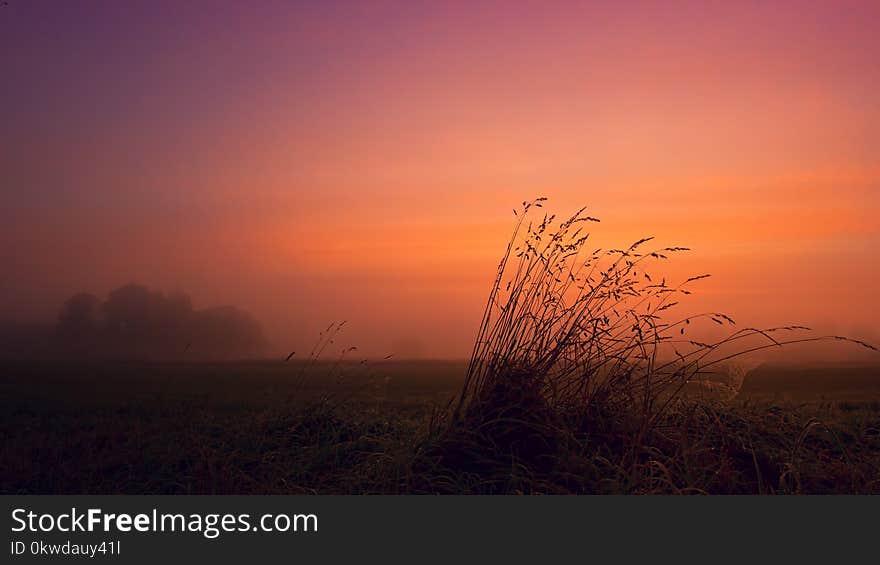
{"x":320,"y":161}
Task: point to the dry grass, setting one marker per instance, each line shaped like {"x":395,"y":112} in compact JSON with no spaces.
{"x":578,"y":360}
{"x":574,"y":327}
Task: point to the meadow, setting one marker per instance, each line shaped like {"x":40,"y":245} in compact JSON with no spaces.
{"x":584,"y":378}
{"x":276,"y":427}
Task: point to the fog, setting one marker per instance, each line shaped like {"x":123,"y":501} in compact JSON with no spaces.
{"x":135,"y":323}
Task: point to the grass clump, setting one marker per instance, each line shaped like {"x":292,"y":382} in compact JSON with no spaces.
{"x":578,"y":377}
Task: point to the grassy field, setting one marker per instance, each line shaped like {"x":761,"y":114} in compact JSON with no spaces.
{"x":582,"y":379}
{"x":272,"y":427}
{"x":213,"y":428}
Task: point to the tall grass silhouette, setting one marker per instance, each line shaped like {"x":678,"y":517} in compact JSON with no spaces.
{"x":575,"y":337}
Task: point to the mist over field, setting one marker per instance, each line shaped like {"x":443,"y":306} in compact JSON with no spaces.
{"x":135,"y":323}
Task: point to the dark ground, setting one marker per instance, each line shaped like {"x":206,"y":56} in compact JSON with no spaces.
{"x":272,"y":427}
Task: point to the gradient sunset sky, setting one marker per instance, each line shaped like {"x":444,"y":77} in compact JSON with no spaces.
{"x":321,"y":161}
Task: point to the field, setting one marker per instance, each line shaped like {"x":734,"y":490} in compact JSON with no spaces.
{"x":274,"y":427}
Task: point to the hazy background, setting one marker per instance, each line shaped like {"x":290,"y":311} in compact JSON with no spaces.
{"x":323,"y":161}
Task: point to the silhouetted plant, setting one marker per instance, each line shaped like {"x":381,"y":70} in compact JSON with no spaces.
{"x":567,"y":327}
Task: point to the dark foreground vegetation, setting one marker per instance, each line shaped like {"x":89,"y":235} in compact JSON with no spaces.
{"x":582,"y":380}
{"x":252,"y":428}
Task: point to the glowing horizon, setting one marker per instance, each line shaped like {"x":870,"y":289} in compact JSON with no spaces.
{"x":350,"y":161}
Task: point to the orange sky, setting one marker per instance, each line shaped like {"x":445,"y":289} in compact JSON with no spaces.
{"x":360,"y":162}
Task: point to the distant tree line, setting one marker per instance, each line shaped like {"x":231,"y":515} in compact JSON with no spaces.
{"x":134,"y":322}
